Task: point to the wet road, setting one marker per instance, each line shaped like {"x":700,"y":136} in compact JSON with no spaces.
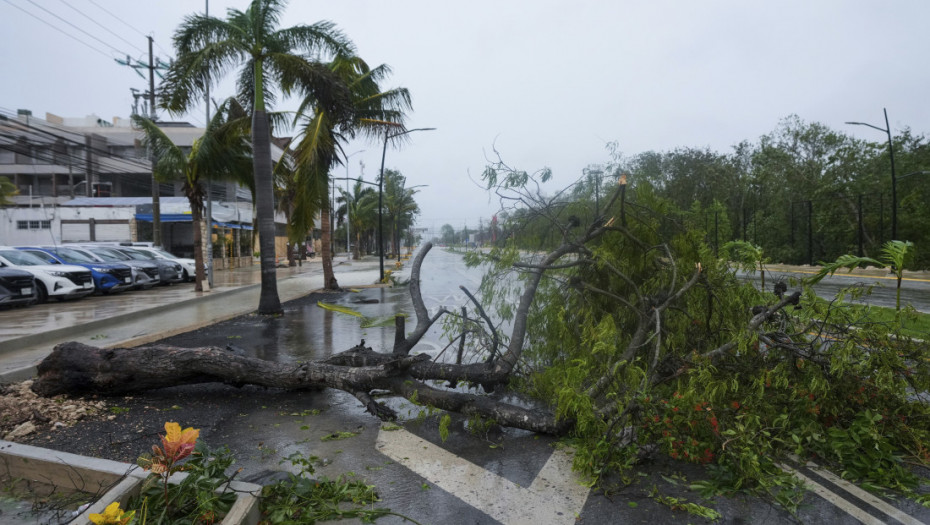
{"x":915,"y":288}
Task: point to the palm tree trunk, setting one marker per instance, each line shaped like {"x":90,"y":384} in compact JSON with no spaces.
{"x":329,"y":279}
{"x":197,"y":223}
{"x":268,"y":302}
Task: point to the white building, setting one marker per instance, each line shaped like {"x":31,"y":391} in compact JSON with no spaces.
{"x":87,"y":179}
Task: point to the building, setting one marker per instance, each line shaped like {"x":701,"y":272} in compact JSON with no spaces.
{"x":88,"y":179}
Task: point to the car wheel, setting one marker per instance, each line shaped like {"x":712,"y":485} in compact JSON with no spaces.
{"x":41,"y":293}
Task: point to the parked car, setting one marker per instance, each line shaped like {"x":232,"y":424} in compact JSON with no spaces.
{"x":59,"y":281}
{"x":187,"y":265}
{"x":108,"y":277}
{"x":169,"y":271}
{"x":17,"y":287}
{"x":144,"y":273}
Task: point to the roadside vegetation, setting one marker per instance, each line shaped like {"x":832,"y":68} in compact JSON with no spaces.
{"x":647,"y":343}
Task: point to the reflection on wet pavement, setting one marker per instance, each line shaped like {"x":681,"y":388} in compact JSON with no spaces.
{"x":309,"y":332}
{"x":20,"y":322}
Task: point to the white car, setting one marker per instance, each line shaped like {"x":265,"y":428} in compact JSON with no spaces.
{"x":60,"y":281}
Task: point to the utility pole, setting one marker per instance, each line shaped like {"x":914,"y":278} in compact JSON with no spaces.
{"x":156,"y":205}
{"x":208,"y":257}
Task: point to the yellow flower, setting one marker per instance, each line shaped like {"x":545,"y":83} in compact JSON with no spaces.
{"x":112,"y":515}
{"x":177,"y":443}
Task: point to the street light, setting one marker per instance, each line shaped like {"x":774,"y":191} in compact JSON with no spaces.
{"x":894,"y":180}
{"x":387,"y":136}
{"x":348,"y":237}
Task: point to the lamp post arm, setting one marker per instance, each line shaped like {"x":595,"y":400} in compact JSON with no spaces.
{"x":883,"y":130}
{"x":363,"y":181}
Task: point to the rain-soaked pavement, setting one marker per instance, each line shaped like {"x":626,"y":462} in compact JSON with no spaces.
{"x":493,"y":476}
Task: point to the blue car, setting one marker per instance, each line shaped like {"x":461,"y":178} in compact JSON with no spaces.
{"x":108,"y":277}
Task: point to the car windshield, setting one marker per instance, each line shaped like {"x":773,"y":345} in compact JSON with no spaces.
{"x":19,"y":258}
{"x":110,"y":255}
{"x":137,"y":254}
{"x":87,"y":253}
{"x":162,"y":253}
{"x":73,"y":256}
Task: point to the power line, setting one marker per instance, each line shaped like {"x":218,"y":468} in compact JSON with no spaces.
{"x":76,"y":27}
{"x":116,"y":17}
{"x":127,"y":24}
{"x":105,"y":28}
{"x":46,"y":22}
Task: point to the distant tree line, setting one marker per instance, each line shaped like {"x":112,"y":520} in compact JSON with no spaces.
{"x":803,"y":193}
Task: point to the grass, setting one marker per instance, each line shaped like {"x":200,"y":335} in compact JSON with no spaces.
{"x":914,"y":324}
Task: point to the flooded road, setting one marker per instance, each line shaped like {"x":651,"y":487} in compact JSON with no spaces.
{"x":309,"y":332}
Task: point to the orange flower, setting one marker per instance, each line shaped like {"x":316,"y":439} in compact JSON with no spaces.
{"x":177,"y":443}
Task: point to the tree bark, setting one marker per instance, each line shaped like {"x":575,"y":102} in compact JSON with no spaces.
{"x":197,"y":223}
{"x":326,"y":252}
{"x":75,"y":368}
{"x":268,"y":303}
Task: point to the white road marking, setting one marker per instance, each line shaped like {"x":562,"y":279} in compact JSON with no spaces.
{"x":554,"y":497}
{"x":868,"y":498}
{"x":834,"y":498}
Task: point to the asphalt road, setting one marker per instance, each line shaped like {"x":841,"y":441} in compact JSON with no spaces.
{"x":915,"y":289}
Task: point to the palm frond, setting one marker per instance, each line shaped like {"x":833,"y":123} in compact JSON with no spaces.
{"x":848,"y":261}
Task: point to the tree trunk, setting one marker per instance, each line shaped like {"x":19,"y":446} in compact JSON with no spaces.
{"x":75,"y":368}
{"x":197,"y":223}
{"x":268,"y":302}
{"x":329,"y":279}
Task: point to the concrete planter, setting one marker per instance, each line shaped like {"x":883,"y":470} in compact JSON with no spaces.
{"x":115,"y":480}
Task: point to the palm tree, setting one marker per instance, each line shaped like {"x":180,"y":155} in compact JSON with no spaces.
{"x":359,"y":206}
{"x":894,"y":255}
{"x":221,"y":153}
{"x":327,"y":128}
{"x":399,"y":206}
{"x":208,"y":47}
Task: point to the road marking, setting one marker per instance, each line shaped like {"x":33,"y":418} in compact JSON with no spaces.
{"x":851,"y":275}
{"x":868,"y":498}
{"x":554,"y":497}
{"x":834,"y":498}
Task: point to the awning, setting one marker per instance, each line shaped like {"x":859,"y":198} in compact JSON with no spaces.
{"x":233,"y":225}
{"x":165,"y":217}
{"x":186,"y":217}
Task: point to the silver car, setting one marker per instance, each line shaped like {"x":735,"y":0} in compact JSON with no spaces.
{"x":170,"y":272}
{"x":144,"y":273}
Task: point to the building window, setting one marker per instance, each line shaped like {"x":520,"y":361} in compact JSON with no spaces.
{"x":33,"y":225}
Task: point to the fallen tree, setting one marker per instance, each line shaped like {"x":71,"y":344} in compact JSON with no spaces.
{"x":625,"y":333}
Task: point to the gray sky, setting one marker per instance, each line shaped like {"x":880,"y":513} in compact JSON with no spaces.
{"x":548,"y":82}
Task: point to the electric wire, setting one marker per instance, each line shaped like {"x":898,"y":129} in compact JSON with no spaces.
{"x":76,"y":27}
{"x":127,"y":24}
{"x":56,"y":28}
{"x":101,"y":26}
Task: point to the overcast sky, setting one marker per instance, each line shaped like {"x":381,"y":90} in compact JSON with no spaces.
{"x":548,"y":82}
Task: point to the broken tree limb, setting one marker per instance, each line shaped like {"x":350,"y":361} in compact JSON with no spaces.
{"x":75,"y":368}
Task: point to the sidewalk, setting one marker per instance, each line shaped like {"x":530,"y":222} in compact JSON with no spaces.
{"x":29,"y":334}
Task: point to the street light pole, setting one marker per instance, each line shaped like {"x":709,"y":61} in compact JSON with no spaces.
{"x":387,"y":136}
{"x":894,"y":180}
